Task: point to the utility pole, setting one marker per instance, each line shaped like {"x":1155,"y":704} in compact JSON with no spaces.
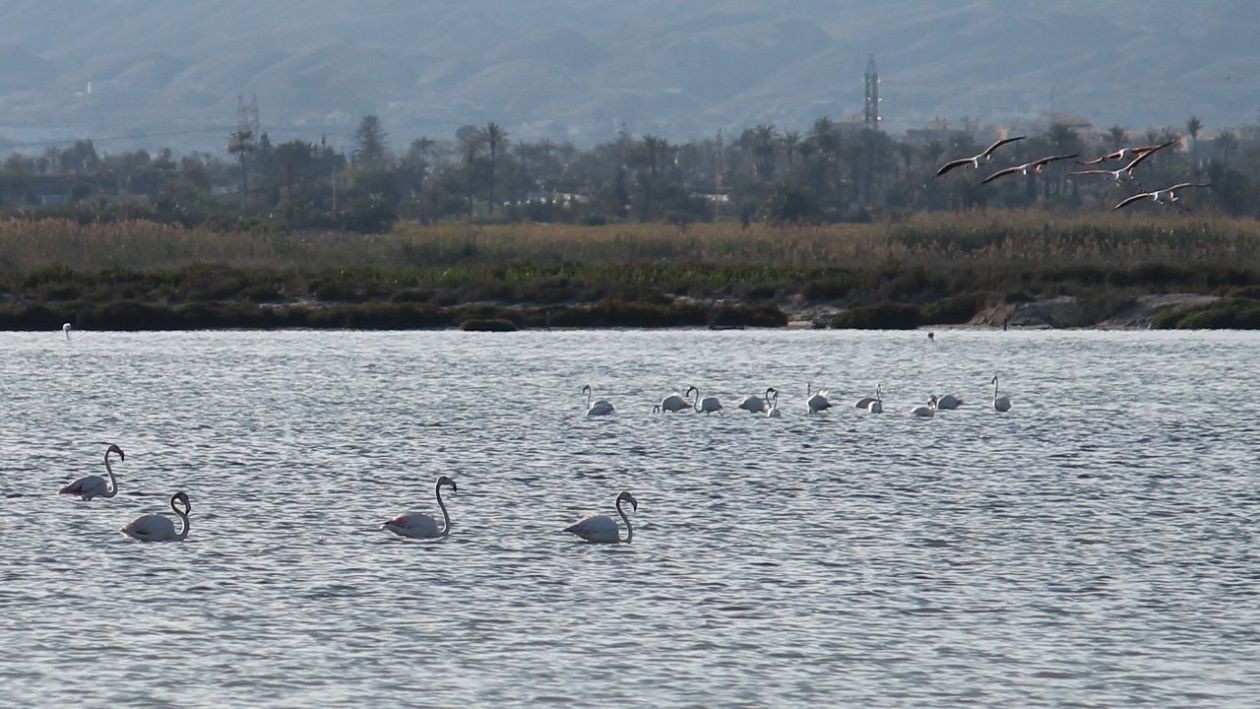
{"x":719,"y":166}
{"x":242,"y":141}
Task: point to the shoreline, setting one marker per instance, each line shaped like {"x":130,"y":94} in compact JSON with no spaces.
{"x":1156,"y":311}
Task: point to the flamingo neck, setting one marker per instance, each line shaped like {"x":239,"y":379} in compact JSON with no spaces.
{"x":113,"y":484}
{"x":183,"y":533}
{"x":446,"y":518}
{"x":624,"y":518}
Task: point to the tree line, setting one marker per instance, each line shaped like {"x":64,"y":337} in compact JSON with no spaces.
{"x":831,"y":172}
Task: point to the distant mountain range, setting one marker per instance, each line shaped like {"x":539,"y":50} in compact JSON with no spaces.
{"x":171,"y":72}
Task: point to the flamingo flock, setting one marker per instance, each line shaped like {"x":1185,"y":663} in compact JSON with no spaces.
{"x":598,"y":529}
{"x":413,"y":525}
{"x":816,"y":401}
{"x":1130,"y":158}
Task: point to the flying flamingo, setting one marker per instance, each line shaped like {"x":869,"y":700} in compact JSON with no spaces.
{"x":158,"y":528}
{"x":1125,"y":172}
{"x":1167,"y":196}
{"x":974,"y":160}
{"x":601,"y":529}
{"x":419,"y":525}
{"x":1126,"y":153}
{"x":1033,"y":167}
{"x":94,"y":485}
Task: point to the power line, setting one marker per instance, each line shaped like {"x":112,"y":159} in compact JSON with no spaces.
{"x":125,"y":136}
{"x":96,"y":140}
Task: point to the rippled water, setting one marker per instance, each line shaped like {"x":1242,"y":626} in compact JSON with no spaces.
{"x":1094,"y":545}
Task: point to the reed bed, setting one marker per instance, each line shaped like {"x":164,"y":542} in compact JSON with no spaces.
{"x":927,"y":239}
{"x":944,"y":267}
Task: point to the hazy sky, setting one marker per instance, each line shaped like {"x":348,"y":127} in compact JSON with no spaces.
{"x":566,"y":68}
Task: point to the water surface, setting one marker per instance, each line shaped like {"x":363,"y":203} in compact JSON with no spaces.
{"x":1092,"y":546}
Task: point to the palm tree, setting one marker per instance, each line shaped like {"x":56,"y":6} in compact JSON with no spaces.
{"x":1065,"y":141}
{"x":653,"y":148}
{"x":791,"y":139}
{"x":761,"y":142}
{"x":1226,"y":143}
{"x":1193,"y":126}
{"x":826,"y":139}
{"x":241,"y":144}
{"x":1117,"y":136}
{"x":494,"y":137}
{"x":370,"y":142}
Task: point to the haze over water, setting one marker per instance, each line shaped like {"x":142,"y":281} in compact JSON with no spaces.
{"x":1092,"y":546}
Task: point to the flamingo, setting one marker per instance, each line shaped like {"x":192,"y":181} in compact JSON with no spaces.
{"x":158,"y":528}
{"x":867,"y":401}
{"x":1033,"y":167}
{"x":949,"y":401}
{"x":756,"y":404}
{"x":974,"y":160}
{"x":598,"y":408}
{"x":94,"y":485}
{"x":65,"y":330}
{"x":419,"y":525}
{"x":673,"y":403}
{"x":1167,"y":196}
{"x":926,"y":412}
{"x":1127,"y":153}
{"x":774,"y":411}
{"x":707,"y":405}
{"x":601,"y":529}
{"x":1126,"y":172}
{"x":816,"y":400}
{"x":1001,"y":403}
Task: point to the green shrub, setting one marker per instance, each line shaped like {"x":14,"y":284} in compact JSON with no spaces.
{"x":412,"y":296}
{"x":881,"y":316}
{"x":489,"y":325}
{"x":953,"y":311}
{"x":827,"y":289}
{"x":757,"y":315}
{"x":1251,"y":292}
{"x":1229,"y":314}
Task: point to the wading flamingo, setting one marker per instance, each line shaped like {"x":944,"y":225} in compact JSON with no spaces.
{"x":419,"y":525}
{"x":94,"y":485}
{"x":601,"y":529}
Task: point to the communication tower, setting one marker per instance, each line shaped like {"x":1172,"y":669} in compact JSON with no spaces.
{"x":872,"y":117}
